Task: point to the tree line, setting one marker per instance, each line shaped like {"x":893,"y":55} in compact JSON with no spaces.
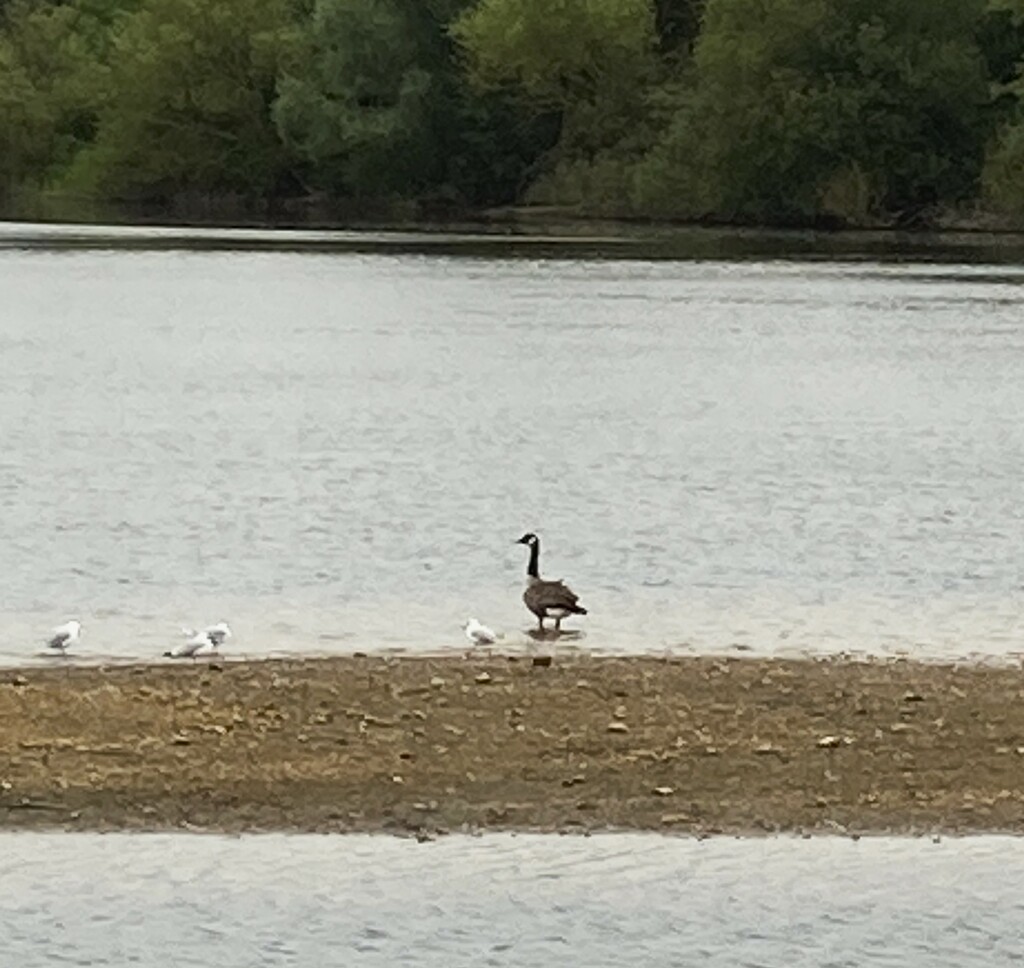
{"x":852,"y":112}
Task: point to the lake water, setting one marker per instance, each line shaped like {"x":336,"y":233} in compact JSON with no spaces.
{"x":276,"y":900}
{"x":333,"y":441}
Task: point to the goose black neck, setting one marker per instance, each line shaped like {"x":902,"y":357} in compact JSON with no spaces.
{"x":533,"y":568}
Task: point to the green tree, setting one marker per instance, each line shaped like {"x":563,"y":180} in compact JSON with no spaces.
{"x":192,"y":84}
{"x":23,"y":132}
{"x":677,"y":23}
{"x":558,"y":53}
{"x":379,"y":108}
{"x":53,"y":80}
{"x":583,"y":65}
{"x":801,"y":107}
{"x":1003,"y":176}
{"x":361,"y":109}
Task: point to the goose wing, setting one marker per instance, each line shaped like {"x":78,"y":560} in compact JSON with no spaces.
{"x":553,"y":594}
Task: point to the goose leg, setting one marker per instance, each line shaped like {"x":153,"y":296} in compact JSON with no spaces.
{"x":558,"y":625}
{"x":540,"y":622}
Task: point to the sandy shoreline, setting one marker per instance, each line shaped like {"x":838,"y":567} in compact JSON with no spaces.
{"x":441,"y":744}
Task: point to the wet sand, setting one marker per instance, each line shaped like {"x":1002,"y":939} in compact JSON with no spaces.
{"x":433,"y":745}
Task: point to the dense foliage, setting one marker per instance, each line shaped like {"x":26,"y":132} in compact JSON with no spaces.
{"x":757,"y":111}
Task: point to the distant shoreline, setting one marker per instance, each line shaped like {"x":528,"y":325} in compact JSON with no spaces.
{"x":429,"y":745}
{"x":342,"y":215}
{"x":549,"y":236}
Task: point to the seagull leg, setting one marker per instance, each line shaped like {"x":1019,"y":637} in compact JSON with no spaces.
{"x":558,"y":625}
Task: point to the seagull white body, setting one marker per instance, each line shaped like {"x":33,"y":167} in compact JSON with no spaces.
{"x":479,"y":634}
{"x":217,"y":634}
{"x":65,"y":635}
{"x":199,"y":645}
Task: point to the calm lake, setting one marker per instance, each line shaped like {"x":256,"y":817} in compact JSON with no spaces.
{"x":333,"y":440}
{"x":274,"y":900}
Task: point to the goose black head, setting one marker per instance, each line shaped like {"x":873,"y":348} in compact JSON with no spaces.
{"x":528,"y":539}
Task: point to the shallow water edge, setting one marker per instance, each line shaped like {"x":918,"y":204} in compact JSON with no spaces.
{"x":783,"y":454}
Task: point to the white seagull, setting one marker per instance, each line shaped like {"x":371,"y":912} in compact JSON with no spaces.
{"x":65,"y":635}
{"x":201,"y":644}
{"x":217,"y":634}
{"x":479,"y":634}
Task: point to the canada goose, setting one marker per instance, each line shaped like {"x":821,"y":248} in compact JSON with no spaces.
{"x":479,"y":634}
{"x":65,"y":635}
{"x":547,"y":599}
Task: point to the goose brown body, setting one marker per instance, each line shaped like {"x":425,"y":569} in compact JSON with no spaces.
{"x":547,"y":598}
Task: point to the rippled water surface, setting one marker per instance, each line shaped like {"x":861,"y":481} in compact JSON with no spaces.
{"x":274,"y":900}
{"x":336,"y":449}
